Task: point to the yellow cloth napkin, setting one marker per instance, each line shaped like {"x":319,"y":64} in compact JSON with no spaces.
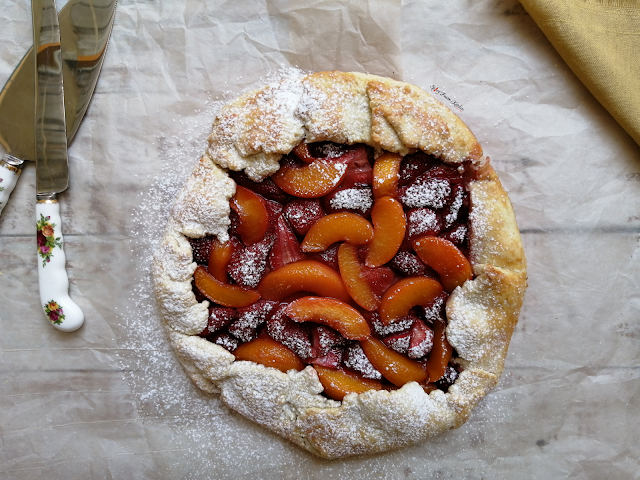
{"x":600,"y":41}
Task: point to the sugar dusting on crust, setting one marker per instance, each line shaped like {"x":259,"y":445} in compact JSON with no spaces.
{"x":290,"y":404}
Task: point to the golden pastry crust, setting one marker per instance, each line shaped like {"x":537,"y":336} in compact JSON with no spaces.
{"x":252,"y":133}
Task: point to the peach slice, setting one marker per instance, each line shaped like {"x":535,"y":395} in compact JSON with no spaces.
{"x":312,"y":180}
{"x":332,"y":313}
{"x":405,"y":294}
{"x":222,"y":293}
{"x":303,"y":276}
{"x":338,"y":383}
{"x":352,"y":276}
{"x":337,"y":227}
{"x":386,"y":173}
{"x":428,"y":387}
{"x":440,"y":354}
{"x":252,"y":213}
{"x":268,"y":352}
{"x":302,"y":152}
{"x":394,"y":366}
{"x":219,"y":260}
{"x":389,"y":226}
{"x":446,"y":259}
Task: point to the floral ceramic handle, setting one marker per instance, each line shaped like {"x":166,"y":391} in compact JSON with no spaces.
{"x":10,"y":168}
{"x":62,"y":312}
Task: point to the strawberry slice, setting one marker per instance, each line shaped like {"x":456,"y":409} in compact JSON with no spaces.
{"x":226,"y":341}
{"x":452,"y":210}
{"x":324,"y":339}
{"x":448,"y":379}
{"x":408,"y":264}
{"x":359,"y":172}
{"x":291,"y":334}
{"x":425,"y":191}
{"x":413,"y":166}
{"x":355,"y":359}
{"x":219,"y":317}
{"x":328,"y":257}
{"x":303,"y":213}
{"x":456,"y":235}
{"x":379,"y":278}
{"x":249,"y":264}
{"x":444,"y":171}
{"x":249,"y":319}
{"x":421,"y":340}
{"x":349,"y":199}
{"x":399,"y":342}
{"x":373,"y":319}
{"x":435,"y":310}
{"x":274,"y":209}
{"x":286,"y":248}
{"x":201,"y":248}
{"x":332,"y":359}
{"x":422,"y":222}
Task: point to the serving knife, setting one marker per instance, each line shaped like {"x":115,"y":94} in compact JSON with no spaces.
{"x":85,"y":27}
{"x":52,"y":168}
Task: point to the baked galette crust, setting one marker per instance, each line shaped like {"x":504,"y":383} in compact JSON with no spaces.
{"x":252,"y":133}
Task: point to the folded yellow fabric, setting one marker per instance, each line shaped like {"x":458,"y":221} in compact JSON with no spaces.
{"x":600,"y":41}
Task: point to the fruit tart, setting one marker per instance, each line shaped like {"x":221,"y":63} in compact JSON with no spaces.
{"x":343,"y":265}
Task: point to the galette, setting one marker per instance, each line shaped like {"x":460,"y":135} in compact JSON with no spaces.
{"x":343,"y":266}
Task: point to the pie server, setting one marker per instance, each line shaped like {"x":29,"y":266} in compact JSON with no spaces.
{"x":85,"y":26}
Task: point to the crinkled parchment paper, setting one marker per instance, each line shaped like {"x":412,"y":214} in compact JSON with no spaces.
{"x":111,"y":401}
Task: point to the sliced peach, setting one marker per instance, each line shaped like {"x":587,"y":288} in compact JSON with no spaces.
{"x":446,"y":259}
{"x":356,"y":283}
{"x":405,"y":294}
{"x":252,"y":213}
{"x":337,"y":227}
{"x":389,"y":225}
{"x":312,"y":180}
{"x":222,"y":293}
{"x":332,"y":313}
{"x":219,"y":260}
{"x":338,"y":383}
{"x":394,"y":366}
{"x":268,"y":352}
{"x":386,"y":173}
{"x":428,"y":387}
{"x":440,"y":354}
{"x":303,"y":276}
{"x":303,"y":153}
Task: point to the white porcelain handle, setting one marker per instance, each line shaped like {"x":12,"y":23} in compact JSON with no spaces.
{"x":62,"y":312}
{"x":10,"y":168}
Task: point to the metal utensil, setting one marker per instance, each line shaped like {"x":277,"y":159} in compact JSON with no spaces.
{"x":52,"y":168}
{"x":85,"y":27}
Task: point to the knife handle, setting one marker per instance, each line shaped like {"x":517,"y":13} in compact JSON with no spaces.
{"x":10,"y":169}
{"x":62,"y":312}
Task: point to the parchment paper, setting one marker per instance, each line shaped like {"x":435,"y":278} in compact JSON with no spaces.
{"x":111,"y":401}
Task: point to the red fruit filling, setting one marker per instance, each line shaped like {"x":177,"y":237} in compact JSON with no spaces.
{"x":435,"y":202}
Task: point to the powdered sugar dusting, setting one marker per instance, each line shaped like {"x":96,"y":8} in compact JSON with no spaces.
{"x":360,"y":199}
{"x":432,"y":192}
{"x":422,"y":221}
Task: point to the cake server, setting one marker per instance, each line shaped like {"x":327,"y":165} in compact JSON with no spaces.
{"x":85,"y":27}
{"x":52,"y":168}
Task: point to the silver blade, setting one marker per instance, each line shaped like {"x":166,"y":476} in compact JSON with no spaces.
{"x":52,"y":168}
{"x":85,"y":26}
